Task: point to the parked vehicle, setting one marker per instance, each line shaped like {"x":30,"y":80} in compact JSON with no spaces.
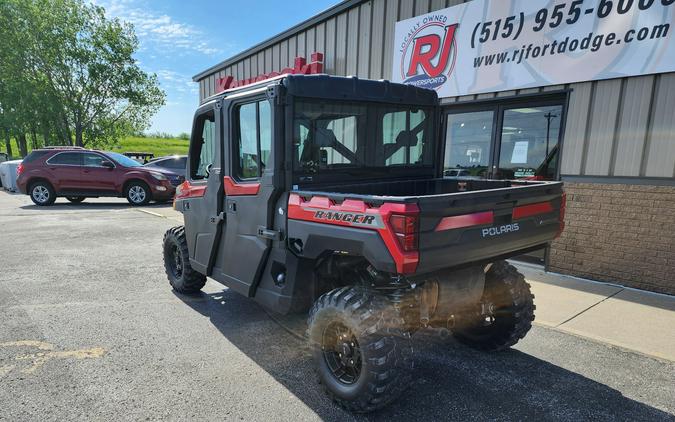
{"x":8,"y":174}
{"x":76,"y":174}
{"x":141,"y":157}
{"x":326,"y":195}
{"x":174,"y":166}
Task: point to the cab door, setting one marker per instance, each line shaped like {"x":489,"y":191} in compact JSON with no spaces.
{"x":202,"y":206}
{"x":248,"y":192}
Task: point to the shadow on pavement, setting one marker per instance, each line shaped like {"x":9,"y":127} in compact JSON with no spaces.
{"x":452,"y":382}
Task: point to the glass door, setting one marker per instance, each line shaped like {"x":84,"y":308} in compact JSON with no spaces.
{"x":529,"y":143}
{"x":469,"y":144}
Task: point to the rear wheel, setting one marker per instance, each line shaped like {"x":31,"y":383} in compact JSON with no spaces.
{"x":505,"y":314}
{"x":138,"y":193}
{"x":363,"y":358}
{"x":42,"y":193}
{"x":75,"y":199}
{"x":177,"y":263}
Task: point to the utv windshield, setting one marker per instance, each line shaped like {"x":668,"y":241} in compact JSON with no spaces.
{"x":333,"y":135}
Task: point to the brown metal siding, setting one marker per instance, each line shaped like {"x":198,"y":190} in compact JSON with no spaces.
{"x":620,"y":127}
{"x":633,"y":125}
{"x":602,"y":127}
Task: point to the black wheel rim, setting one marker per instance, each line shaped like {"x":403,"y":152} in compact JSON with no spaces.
{"x":175,"y":261}
{"x":342,"y":353}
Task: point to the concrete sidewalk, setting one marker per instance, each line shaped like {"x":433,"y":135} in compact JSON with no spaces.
{"x":632,"y":319}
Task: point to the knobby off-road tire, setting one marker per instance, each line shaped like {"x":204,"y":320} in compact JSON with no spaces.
{"x":42,"y":193}
{"x":177,"y":263}
{"x":351,"y":324}
{"x":513,"y":311}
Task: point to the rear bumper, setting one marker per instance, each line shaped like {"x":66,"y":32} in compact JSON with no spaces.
{"x":471,"y":247}
{"x":21,"y":185}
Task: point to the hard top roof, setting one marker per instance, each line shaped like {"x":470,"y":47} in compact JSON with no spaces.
{"x":341,"y":88}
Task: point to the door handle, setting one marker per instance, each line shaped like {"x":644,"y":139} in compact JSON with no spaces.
{"x":268,"y":234}
{"x":231,"y":206}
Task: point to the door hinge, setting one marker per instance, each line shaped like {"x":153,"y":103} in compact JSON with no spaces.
{"x":217,"y":218}
{"x":268,"y":234}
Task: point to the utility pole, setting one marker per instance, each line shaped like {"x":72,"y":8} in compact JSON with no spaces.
{"x":548,"y":116}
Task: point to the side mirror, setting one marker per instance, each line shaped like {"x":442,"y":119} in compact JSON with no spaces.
{"x":107,"y":164}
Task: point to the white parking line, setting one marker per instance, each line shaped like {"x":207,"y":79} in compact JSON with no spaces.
{"x":152,"y":213}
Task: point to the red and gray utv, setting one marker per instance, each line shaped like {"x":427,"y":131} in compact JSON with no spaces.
{"x":325,"y":195}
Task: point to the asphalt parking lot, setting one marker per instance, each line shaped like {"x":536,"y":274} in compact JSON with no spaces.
{"x":90,"y":330}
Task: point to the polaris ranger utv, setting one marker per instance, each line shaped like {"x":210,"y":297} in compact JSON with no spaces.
{"x":325,"y":195}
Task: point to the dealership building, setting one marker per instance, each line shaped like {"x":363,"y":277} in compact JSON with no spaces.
{"x":578,"y":91}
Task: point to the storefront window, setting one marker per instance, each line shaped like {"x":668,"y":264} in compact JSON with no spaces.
{"x":468,"y":144}
{"x":529,"y":143}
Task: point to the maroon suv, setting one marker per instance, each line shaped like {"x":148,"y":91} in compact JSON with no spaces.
{"x":76,"y":174}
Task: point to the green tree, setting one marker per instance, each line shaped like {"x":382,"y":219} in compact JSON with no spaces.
{"x":85,"y":86}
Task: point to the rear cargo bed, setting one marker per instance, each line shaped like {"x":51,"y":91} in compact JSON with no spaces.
{"x":466,"y":221}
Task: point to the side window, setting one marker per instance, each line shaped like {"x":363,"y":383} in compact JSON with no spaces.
{"x":254,"y":139}
{"x":202,"y":148}
{"x":67,"y":159}
{"x":174,"y":163}
{"x":92,"y":160}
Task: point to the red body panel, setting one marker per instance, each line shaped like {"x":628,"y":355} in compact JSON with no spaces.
{"x":186,"y":190}
{"x":466,"y":220}
{"x":232,"y":188}
{"x":358,"y":214}
{"x":532,"y":209}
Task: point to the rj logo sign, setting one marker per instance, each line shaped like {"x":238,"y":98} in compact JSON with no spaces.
{"x":428,"y":53}
{"x":499,"y":45}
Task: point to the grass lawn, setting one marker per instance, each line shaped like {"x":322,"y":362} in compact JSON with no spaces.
{"x":157,"y":146}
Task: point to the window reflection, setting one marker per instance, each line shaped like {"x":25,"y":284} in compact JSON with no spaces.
{"x":468,"y":141}
{"x":529,"y":147}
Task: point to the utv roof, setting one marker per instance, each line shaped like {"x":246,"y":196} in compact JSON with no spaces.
{"x":341,"y":88}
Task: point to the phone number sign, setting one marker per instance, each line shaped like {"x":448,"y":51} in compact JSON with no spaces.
{"x":498,"y":45}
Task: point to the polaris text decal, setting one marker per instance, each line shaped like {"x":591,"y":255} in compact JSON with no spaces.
{"x":499,"y":230}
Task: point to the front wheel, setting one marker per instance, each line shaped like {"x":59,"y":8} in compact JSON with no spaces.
{"x":138,"y":193}
{"x":506,"y":311}
{"x":181,"y":276}
{"x":42,"y":194}
{"x":363,"y":358}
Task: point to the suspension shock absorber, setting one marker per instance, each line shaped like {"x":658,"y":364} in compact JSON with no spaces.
{"x":402,"y":295}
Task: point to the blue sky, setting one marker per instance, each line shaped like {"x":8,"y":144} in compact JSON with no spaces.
{"x":178,"y":39}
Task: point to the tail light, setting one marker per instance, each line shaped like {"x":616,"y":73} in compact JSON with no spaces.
{"x":406,"y":229}
{"x":180,"y":190}
{"x":19,"y":169}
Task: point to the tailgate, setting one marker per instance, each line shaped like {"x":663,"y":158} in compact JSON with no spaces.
{"x":467,"y":227}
